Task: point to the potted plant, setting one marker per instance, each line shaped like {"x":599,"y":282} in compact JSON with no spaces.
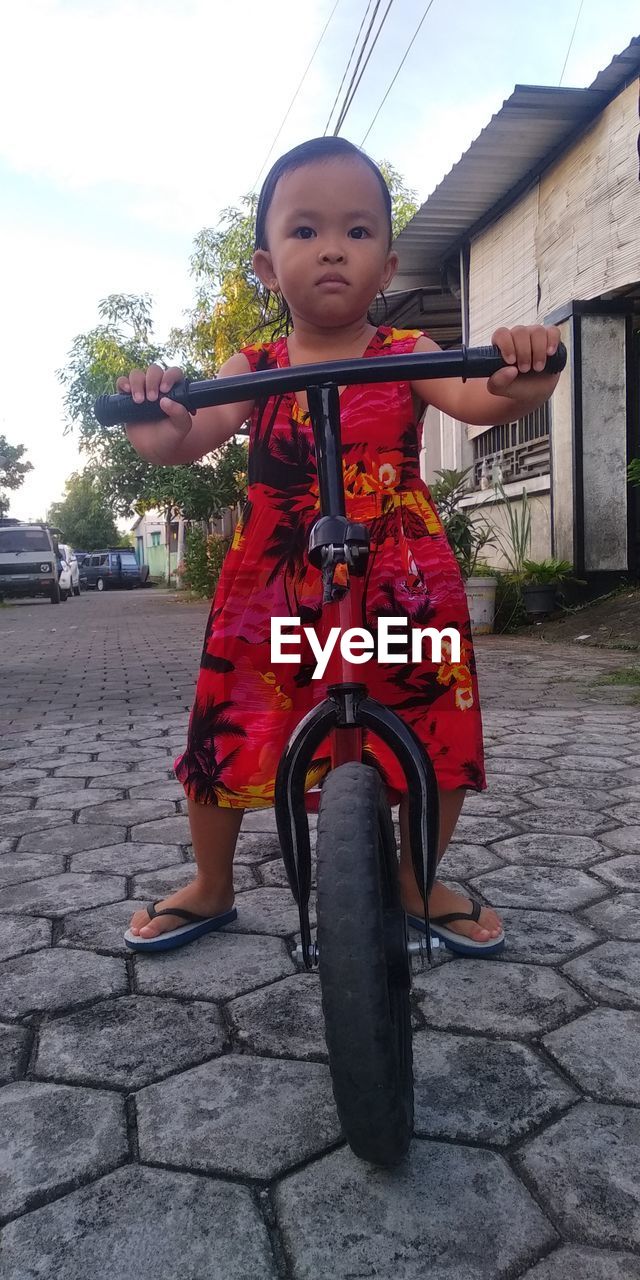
{"x":539,"y":581}
{"x":468,"y":538}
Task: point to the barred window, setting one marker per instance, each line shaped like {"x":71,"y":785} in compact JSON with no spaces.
{"x":513,"y":451}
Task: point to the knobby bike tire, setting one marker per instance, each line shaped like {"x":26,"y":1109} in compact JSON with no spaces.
{"x":363,"y":965}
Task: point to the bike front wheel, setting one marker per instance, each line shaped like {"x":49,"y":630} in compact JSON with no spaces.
{"x":363,"y":965}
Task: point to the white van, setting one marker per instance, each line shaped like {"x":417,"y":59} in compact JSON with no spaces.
{"x":28,"y":560}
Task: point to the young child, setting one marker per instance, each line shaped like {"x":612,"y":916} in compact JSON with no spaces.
{"x":323,"y":249}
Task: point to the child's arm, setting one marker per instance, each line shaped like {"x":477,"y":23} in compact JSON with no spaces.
{"x":510,"y":393}
{"x":180,"y":438}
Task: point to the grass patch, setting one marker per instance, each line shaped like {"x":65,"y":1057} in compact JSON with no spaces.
{"x":624,"y":675}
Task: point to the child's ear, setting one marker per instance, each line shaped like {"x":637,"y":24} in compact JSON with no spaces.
{"x":391,"y":266}
{"x":263,"y":267}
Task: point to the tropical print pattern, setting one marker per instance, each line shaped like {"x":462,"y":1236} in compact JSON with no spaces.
{"x":246,"y":706}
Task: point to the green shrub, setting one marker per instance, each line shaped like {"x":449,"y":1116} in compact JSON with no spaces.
{"x":203,"y":559}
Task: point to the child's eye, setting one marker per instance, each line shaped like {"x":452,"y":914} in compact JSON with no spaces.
{"x":304,"y":233}
{"x":358,"y":233}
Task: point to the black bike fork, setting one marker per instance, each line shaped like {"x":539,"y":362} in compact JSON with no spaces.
{"x":348,"y":706}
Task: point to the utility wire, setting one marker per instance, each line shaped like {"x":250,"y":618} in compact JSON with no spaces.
{"x":407,"y":50}
{"x":571,"y":42}
{"x":353,"y":49}
{"x":353,"y":92}
{"x":365,"y":42}
{"x":302,"y":80}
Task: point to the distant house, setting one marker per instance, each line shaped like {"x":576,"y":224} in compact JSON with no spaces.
{"x":150,"y":533}
{"x":539,"y":222}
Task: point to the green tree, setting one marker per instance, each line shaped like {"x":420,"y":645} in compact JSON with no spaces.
{"x":85,"y":520}
{"x":13,"y":469}
{"x":128,"y":484}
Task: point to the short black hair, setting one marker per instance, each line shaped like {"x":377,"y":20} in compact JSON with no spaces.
{"x":306,"y":153}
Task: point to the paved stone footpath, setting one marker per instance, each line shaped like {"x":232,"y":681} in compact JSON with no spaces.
{"x":173,"y":1116}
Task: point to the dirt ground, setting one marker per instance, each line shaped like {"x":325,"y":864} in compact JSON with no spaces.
{"x":612,"y":622}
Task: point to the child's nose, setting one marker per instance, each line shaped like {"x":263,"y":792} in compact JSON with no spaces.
{"x":333,"y":254}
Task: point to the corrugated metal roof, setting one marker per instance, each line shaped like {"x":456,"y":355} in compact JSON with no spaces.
{"x":535,"y":124}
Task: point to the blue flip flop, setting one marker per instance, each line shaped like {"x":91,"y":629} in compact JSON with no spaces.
{"x":197,"y":926}
{"x":456,"y":941}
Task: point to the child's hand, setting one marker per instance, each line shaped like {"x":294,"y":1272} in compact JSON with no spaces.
{"x":149,"y":384}
{"x":526,"y":348}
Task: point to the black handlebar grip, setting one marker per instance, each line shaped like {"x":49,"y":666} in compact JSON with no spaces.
{"x":112,"y":411}
{"x":555,"y":363}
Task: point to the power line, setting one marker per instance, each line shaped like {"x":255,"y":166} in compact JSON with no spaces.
{"x":344,"y":76}
{"x":406,"y":53}
{"x":352,"y":94}
{"x":302,"y":80}
{"x":571,"y":42}
{"x":365,"y":42}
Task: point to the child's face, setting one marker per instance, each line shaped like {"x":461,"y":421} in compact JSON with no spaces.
{"x":327,"y":219}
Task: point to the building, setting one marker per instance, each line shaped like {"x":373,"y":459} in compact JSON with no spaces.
{"x":539,"y":222}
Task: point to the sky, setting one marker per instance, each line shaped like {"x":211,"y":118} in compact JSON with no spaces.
{"x":127,"y":127}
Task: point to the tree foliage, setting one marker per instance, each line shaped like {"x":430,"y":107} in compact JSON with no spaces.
{"x":127,"y":482}
{"x":82,"y":515}
{"x":13,"y":469}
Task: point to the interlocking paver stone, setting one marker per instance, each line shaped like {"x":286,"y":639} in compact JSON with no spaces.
{"x":32,"y":820}
{"x":600,"y":1052}
{"x":101,"y":929}
{"x":216,"y":967}
{"x":504,"y":998}
{"x":472,"y":830}
{"x":544,"y":937}
{"x":585,"y":1168}
{"x":150,"y":1224}
{"x":57,"y":895}
{"x":127,"y":858}
{"x":52,"y":1135}
{"x":165,"y":831}
{"x":484,"y":1091}
{"x":127,"y":1043}
{"x":626,"y":839}
{"x":15,"y":869}
{"x":447,"y":1212}
{"x":48,"y":980}
{"x":555,"y":888}
{"x":610,"y":973}
{"x":71,"y":838}
{"x":268,"y":911}
{"x":22,"y":933}
{"x":284,"y":1019}
{"x":568,"y":818}
{"x":538,"y":849}
{"x":14,"y":1046}
{"x":463,"y":861}
{"x":239,"y":1115}
{"x":623,"y":872}
{"x":619,"y":916}
{"x":575,"y":1261}
{"x":129,"y":812}
{"x":154,"y":885}
{"x":580,"y":797}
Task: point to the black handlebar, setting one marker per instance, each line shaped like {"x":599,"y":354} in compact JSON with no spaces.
{"x":459,"y":362}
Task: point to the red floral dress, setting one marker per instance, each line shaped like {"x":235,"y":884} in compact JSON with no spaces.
{"x":246,"y":706}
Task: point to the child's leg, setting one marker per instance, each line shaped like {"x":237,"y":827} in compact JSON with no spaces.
{"x":442,"y":899}
{"x":214,"y":834}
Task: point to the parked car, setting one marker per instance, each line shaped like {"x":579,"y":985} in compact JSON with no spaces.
{"x":69,"y":555}
{"x":65,"y":581}
{"x":115,"y":567}
{"x":82,"y":557}
{"x":28,"y":560}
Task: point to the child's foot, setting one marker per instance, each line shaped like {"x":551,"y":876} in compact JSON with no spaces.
{"x":193,"y":897}
{"x":443,"y":900}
